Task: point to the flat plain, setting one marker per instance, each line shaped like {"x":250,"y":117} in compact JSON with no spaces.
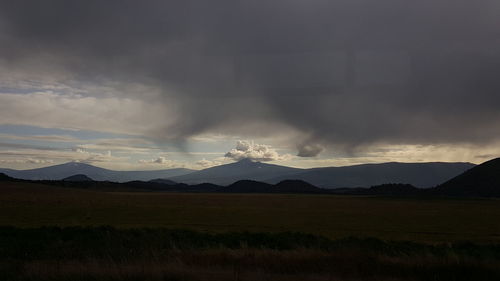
{"x":411,"y":219}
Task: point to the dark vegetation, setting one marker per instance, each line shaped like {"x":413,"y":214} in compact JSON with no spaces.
{"x":396,"y":189}
{"x":163,"y":181}
{"x":106,"y":253}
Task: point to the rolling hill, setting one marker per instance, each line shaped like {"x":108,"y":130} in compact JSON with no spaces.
{"x":78,"y":178}
{"x":482,"y":180}
{"x":248,"y":186}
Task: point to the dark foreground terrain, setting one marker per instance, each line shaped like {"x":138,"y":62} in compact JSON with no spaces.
{"x":58,"y":233}
{"x":333,"y":216}
{"x":105,"y":253}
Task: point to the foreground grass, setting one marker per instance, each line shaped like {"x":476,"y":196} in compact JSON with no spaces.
{"x":423,"y":220}
{"x":106,"y":253}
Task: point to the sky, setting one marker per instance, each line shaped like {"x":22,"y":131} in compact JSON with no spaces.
{"x":141,"y":85}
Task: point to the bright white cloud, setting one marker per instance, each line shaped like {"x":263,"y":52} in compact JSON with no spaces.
{"x":204,"y":163}
{"x":256,"y":152}
{"x":162,"y":162}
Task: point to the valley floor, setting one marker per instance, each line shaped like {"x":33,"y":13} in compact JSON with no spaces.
{"x":423,"y":220}
{"x":53,"y":233}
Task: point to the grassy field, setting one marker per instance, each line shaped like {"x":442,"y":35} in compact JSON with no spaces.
{"x":53,"y":233}
{"x":422,"y":220}
{"x":106,"y":253}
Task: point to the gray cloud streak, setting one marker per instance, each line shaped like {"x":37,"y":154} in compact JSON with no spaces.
{"x":346,"y":73}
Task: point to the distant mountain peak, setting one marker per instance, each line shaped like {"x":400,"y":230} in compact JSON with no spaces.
{"x":247,"y":161}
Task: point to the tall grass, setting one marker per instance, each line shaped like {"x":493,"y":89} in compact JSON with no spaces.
{"x":106,"y":253}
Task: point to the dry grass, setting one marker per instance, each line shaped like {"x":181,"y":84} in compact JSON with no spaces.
{"x":431,"y":220}
{"x":151,"y":252}
{"x":251,"y":264}
{"x":158,"y":254}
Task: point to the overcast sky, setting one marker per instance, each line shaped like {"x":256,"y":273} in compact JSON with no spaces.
{"x":158,"y":84}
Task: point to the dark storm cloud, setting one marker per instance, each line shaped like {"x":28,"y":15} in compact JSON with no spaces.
{"x":309,"y":150}
{"x":346,"y":73}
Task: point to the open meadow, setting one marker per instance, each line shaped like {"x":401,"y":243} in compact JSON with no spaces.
{"x":422,"y":220}
{"x":53,"y":233}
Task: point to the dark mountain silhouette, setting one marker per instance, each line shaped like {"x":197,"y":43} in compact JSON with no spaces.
{"x":230,"y":173}
{"x":176,"y":187}
{"x":163,"y":181}
{"x":78,"y":178}
{"x":296,"y":186}
{"x":418,"y":174}
{"x":482,"y":180}
{"x":4,"y":177}
{"x":204,"y":187}
{"x":394,"y":189}
{"x":248,"y":186}
{"x":62,"y":171}
{"x":287,"y":186}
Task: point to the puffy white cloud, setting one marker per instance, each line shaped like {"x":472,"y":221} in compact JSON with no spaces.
{"x":162,"y":162}
{"x":159,"y":160}
{"x":256,"y":152}
{"x":93,"y":157}
{"x":204,"y":163}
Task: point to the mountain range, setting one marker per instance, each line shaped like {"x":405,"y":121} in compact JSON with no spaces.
{"x":421,"y":175}
{"x":59,"y":172}
{"x":480,"y":181}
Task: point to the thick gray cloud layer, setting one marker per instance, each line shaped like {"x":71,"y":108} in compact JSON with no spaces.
{"x":345,"y":72}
